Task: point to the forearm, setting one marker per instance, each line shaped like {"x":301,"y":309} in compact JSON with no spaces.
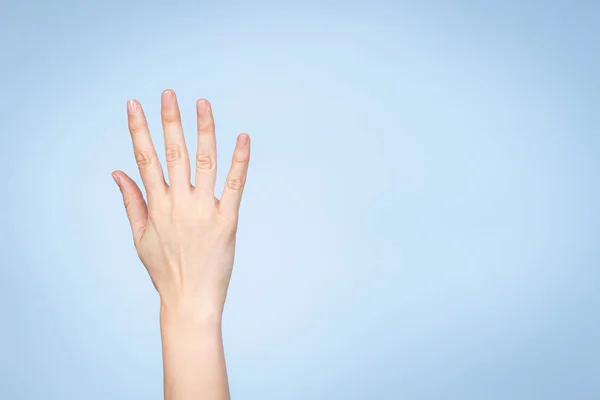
{"x":193,"y":356}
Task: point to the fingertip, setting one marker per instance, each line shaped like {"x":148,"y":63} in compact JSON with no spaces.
{"x":132,"y":106}
{"x":202,"y":106}
{"x":243,"y":139}
{"x":115,"y":176}
{"x":168,"y":94}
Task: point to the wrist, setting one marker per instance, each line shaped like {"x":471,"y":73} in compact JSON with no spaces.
{"x":190,"y":312}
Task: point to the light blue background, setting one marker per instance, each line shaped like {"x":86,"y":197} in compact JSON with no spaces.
{"x":421,"y":218}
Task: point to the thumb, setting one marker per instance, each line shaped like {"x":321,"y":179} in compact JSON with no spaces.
{"x":136,"y":208}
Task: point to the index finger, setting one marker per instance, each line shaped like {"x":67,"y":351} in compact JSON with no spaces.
{"x":145,"y":154}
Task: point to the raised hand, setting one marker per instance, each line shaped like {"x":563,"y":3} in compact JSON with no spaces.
{"x":185,"y":237}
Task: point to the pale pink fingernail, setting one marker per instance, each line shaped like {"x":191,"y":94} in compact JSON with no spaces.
{"x":116,"y":178}
{"x":243,"y":139}
{"x":131,"y":106}
{"x":168,"y":94}
{"x":201,"y":106}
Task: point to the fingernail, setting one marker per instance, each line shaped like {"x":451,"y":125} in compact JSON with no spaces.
{"x":201,"y":106}
{"x":243,"y":139}
{"x":131,"y":106}
{"x":116,"y":178}
{"x":168,"y":94}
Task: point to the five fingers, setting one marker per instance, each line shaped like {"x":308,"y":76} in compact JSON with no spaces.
{"x":236,"y":178}
{"x":178,"y":163}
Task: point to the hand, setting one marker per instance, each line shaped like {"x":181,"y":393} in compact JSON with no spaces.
{"x":184,"y":236}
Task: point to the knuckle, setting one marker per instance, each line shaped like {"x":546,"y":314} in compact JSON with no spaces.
{"x":143,"y":159}
{"x":235,"y":183}
{"x":173,"y":154}
{"x":170,"y":116}
{"x":241,"y":159}
{"x":206,"y":126}
{"x":134,"y":127}
{"x":127,"y":203}
{"x":204,"y":162}
{"x":130,"y":202}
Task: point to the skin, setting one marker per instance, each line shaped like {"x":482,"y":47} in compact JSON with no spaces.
{"x":185,"y":237}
